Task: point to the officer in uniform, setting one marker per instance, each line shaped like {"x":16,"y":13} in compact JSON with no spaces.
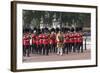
{"x":63,"y":31}
{"x":56,"y":32}
{"x":60,"y":40}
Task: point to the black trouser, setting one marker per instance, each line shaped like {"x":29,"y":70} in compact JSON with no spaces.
{"x":37,"y":49}
{"x":45,"y":49}
{"x":66,"y":47}
{"x":27,"y":50}
{"x":55,"y":50}
{"x":49,"y":47}
{"x":81,"y":46}
{"x":24,"y":50}
{"x":75,"y":46}
{"x":40,"y":48}
{"x":52,"y":48}
{"x":30,"y":48}
{"x":34,"y":48}
{"x":71,"y":46}
{"x":78,"y":47}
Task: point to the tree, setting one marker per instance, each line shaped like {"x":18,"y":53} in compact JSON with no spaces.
{"x":33,"y":17}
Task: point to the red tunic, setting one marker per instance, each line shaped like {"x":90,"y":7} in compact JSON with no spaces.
{"x":27,"y":41}
{"x":24,"y":43}
{"x":52,"y":39}
{"x":33,"y":36}
{"x":45,"y":41}
{"x":71,"y":38}
{"x":66,"y":38}
{"x":37,"y":41}
{"x":41,"y":36}
{"x":41,"y":41}
{"x":55,"y":41}
{"x":33,"y":41}
{"x":75,"y":37}
{"x":80,"y":38}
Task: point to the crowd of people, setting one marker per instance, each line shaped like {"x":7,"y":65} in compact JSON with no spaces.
{"x":45,"y":41}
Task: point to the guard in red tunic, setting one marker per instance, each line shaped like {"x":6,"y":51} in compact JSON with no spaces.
{"x":45,"y":44}
{"x":33,"y":43}
{"x":80,"y":41}
{"x":41,"y":46}
{"x":75,"y":41}
{"x":55,"y":41}
{"x":71,"y":41}
{"x":37,"y":44}
{"x":66,"y":42}
{"x":24,"y":45}
{"x":55,"y":44}
{"x":40,"y":43}
{"x":27,"y":45}
{"x":52,"y":42}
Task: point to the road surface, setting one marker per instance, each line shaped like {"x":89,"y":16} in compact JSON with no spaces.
{"x":54,"y":57}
